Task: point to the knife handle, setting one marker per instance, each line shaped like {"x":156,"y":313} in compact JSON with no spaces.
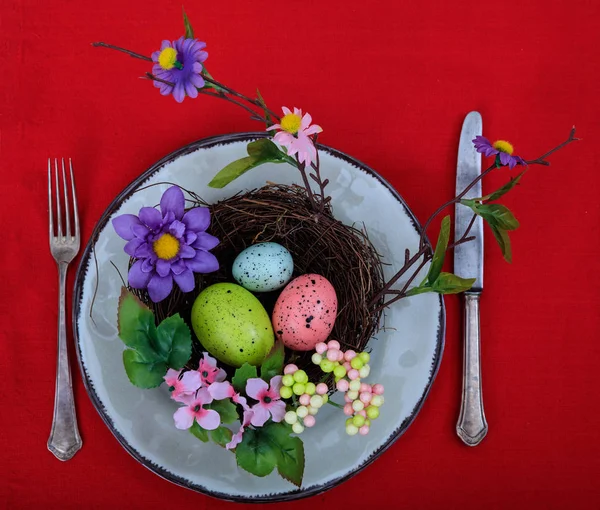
{"x":471,"y":426}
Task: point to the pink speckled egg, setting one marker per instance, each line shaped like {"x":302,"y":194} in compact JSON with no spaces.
{"x":305,"y":312}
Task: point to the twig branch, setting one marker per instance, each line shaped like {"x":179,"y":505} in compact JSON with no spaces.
{"x":542,"y":159}
{"x":123,"y":50}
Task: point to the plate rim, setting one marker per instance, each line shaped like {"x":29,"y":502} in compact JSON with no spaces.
{"x":85,"y":260}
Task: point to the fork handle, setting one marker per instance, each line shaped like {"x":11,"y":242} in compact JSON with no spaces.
{"x":472,"y":426}
{"x":64,"y":440}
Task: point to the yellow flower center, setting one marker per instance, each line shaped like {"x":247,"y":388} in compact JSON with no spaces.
{"x":291,"y":123}
{"x":503,"y":146}
{"x":166,"y":247}
{"x":167,"y":58}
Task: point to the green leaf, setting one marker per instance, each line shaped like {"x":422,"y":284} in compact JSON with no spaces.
{"x":221,"y":436}
{"x":264,"y":107}
{"x":421,"y":289}
{"x":226,"y":409}
{"x":505,"y":189}
{"x":440,"y":251}
{"x":256,"y":453}
{"x":136,"y":325}
{"x":242,"y":374}
{"x":199,"y":432}
{"x":143,"y":373}
{"x":174,"y":341}
{"x":273,"y":363}
{"x":448,"y":283}
{"x":264,"y":148}
{"x":290,"y":453}
{"x":189,"y":31}
{"x":498,"y":215}
{"x":503,"y":241}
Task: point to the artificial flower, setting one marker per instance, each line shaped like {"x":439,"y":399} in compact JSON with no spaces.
{"x":180,"y":64}
{"x":222,"y":390}
{"x":500,"y":148}
{"x":194,"y":410}
{"x":269,"y":402}
{"x":183,"y":386}
{"x":237,"y":437}
{"x":209,"y":372}
{"x":294,"y":135}
{"x":169,"y":245}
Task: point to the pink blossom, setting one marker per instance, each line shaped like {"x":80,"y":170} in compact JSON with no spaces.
{"x":237,"y":437}
{"x":207,"y":418}
{"x":181,"y":387}
{"x":222,"y":390}
{"x":269,"y":403}
{"x":294,"y":135}
{"x":209,"y":372}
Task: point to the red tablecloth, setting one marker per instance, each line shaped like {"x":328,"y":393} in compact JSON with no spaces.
{"x":390,"y":82}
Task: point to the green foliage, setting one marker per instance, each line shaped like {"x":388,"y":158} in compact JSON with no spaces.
{"x":189,"y":31}
{"x":273,"y":363}
{"x":259,"y":152}
{"x":221,"y":436}
{"x":242,"y":374}
{"x":226,"y":409}
{"x":504,"y":189}
{"x":270,"y":446}
{"x":199,"y":432}
{"x":449,"y":283}
{"x":152,"y":350}
{"x":440,"y":251}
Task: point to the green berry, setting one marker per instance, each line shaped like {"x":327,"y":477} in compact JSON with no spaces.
{"x":358,"y":405}
{"x":339,"y":371}
{"x":353,"y":395}
{"x":298,"y":389}
{"x":300,"y":376}
{"x":365,"y":357}
{"x":356,"y":363}
{"x":316,"y":358}
{"x":351,"y":429}
{"x":287,"y":380}
{"x":364,"y":372}
{"x":349,"y":421}
{"x":367,"y":422}
{"x":377,"y":401}
{"x":285,"y":392}
{"x":312,"y":410}
{"x":325,"y":398}
{"x":310,"y":388}
{"x":298,"y":428}
{"x":358,"y":421}
{"x":326,"y":366}
{"x":316,"y":401}
{"x":372,"y":412}
{"x":302,"y":411}
{"x":354,"y":385}
{"x":290,"y":417}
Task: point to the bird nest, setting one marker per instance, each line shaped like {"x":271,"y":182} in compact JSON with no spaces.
{"x":318,"y":243}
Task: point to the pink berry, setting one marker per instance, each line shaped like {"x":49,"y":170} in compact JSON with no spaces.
{"x":342,"y":385}
{"x":333,"y":344}
{"x":365,"y":387}
{"x":348,"y":355}
{"x":353,"y":374}
{"x":363,"y":431}
{"x":348,"y":411}
{"x":332,"y":354}
{"x":363,"y":413}
{"x":290,"y":369}
{"x":347,"y":366}
{"x":378,"y":389}
{"x":322,"y":388}
{"x":309,"y":421}
{"x":348,"y":399}
{"x":321,"y":347}
{"x":340,"y":357}
{"x":305,"y":399}
{"x":366,"y":397}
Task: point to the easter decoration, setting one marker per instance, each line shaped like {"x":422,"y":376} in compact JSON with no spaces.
{"x":257,"y":310}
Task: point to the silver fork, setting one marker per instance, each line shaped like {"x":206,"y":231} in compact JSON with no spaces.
{"x":64,"y":440}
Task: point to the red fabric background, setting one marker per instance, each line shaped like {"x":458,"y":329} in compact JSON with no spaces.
{"x":390,"y":82}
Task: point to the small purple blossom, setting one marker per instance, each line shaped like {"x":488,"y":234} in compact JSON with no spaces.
{"x":500,"y":148}
{"x":182,"y":386}
{"x":194,"y":410}
{"x":169,"y":245}
{"x":269,"y":403}
{"x":223,"y":390}
{"x":180,"y":63}
{"x":209,"y":372}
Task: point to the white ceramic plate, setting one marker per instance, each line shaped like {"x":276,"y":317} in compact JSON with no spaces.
{"x":405,"y":357}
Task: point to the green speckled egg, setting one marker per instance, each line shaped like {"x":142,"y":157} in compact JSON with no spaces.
{"x":232,"y":325}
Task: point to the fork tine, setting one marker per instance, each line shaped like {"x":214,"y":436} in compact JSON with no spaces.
{"x":75,"y":211}
{"x":50,"y":222}
{"x":67,"y":211}
{"x":58,"y":215}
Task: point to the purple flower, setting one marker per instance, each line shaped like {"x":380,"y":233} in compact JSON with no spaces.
{"x":194,"y":410}
{"x":169,"y":244}
{"x":500,"y":148}
{"x":180,"y":63}
{"x":269,"y":403}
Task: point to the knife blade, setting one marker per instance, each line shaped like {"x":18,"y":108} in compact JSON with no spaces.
{"x":468,"y":263}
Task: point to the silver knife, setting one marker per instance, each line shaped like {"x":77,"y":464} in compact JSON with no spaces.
{"x":468,"y":263}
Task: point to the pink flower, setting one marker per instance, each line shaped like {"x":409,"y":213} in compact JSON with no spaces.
{"x":222,"y":390}
{"x":207,"y":418}
{"x":184,"y":386}
{"x":237,"y":437}
{"x":294,"y":135}
{"x":269,"y":403}
{"x":209,"y":372}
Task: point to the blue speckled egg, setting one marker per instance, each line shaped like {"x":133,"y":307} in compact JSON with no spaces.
{"x":263,"y":267}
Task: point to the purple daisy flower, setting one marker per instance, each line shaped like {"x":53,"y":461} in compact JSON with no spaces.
{"x":169,"y":244}
{"x":501,"y":149}
{"x":180,"y":63}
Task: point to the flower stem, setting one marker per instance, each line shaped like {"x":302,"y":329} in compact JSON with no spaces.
{"x":123,"y":50}
{"x":334,"y":404}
